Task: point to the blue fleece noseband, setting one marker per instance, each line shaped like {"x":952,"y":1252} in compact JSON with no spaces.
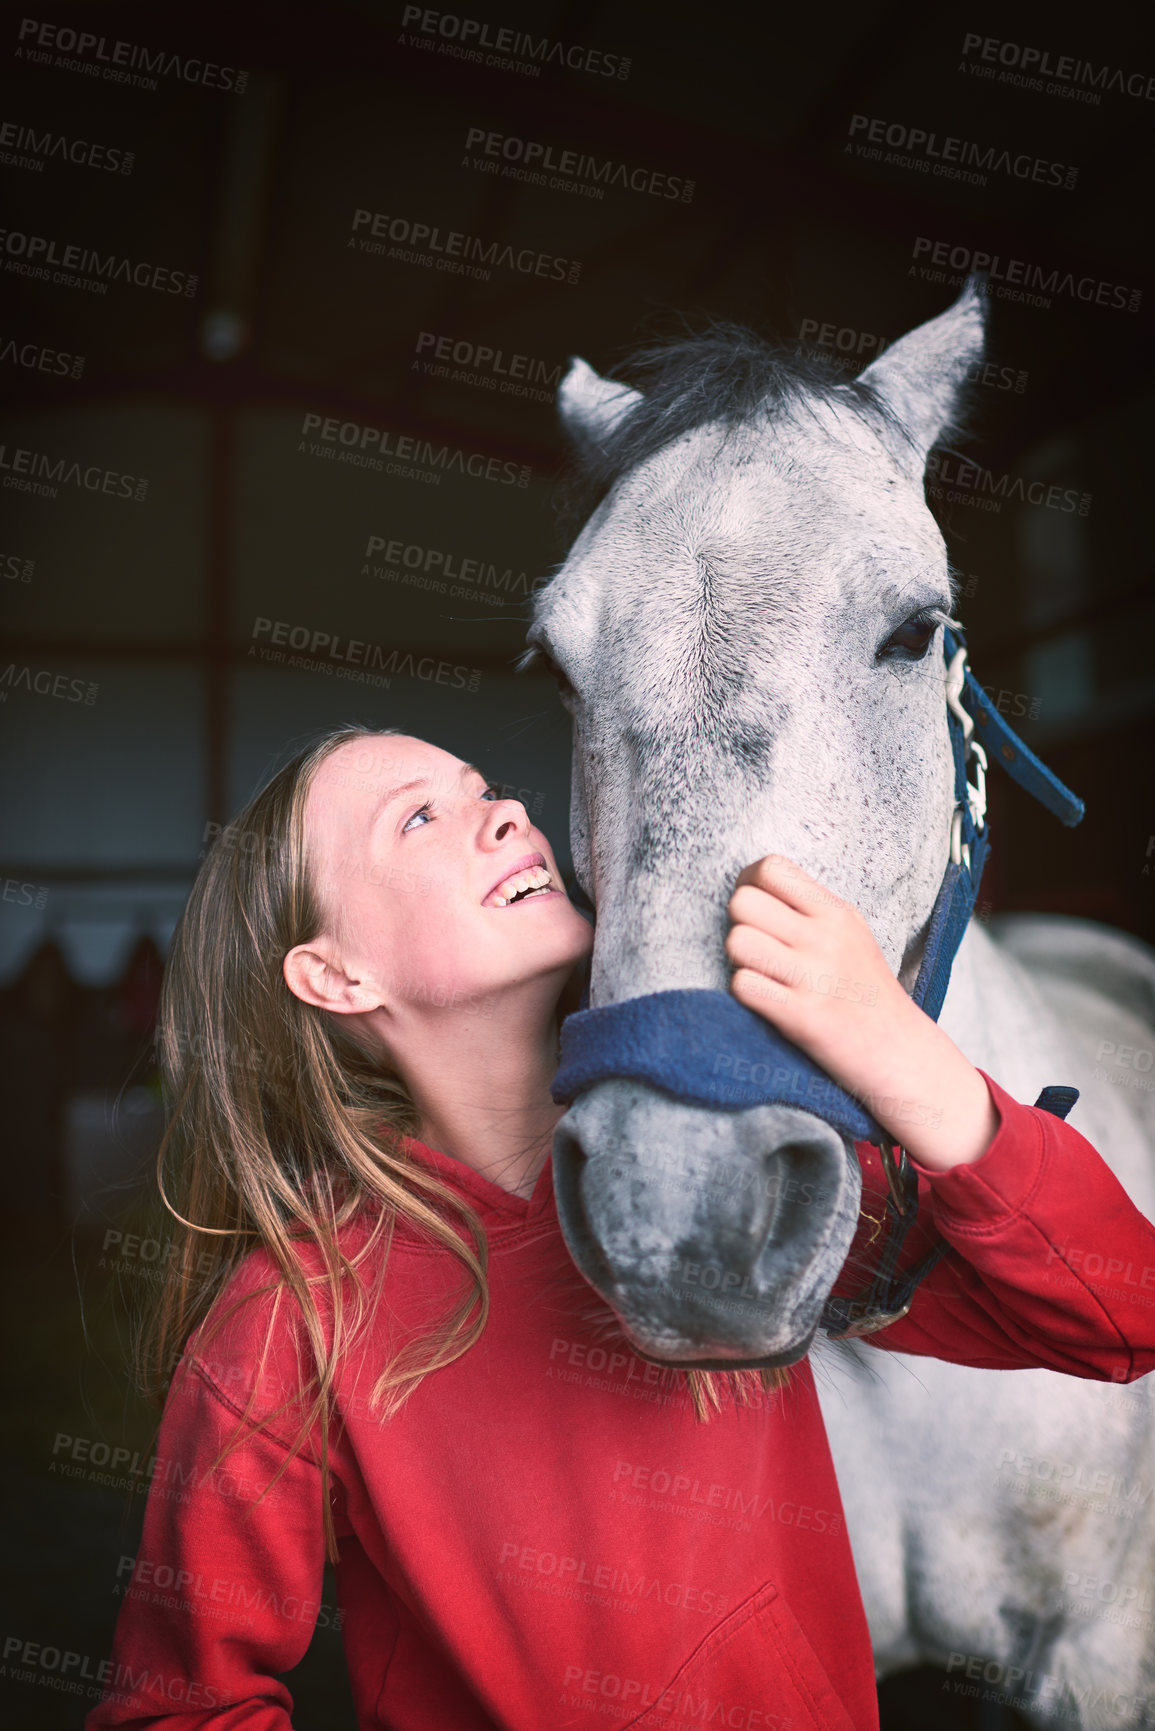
{"x":706,"y":1049}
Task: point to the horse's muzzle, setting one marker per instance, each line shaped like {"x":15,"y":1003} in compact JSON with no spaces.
{"x":715,"y":1236}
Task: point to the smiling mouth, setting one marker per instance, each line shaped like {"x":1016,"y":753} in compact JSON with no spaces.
{"x":533,"y":883}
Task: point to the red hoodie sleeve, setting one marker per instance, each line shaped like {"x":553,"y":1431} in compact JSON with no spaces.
{"x":1052,"y":1264}
{"x":225,"y":1590}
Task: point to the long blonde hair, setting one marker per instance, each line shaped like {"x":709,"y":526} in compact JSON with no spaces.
{"x":281,"y":1128}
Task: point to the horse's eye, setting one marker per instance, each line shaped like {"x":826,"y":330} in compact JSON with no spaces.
{"x":911,"y":641}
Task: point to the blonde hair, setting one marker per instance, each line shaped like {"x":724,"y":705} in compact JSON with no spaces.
{"x":281,"y":1128}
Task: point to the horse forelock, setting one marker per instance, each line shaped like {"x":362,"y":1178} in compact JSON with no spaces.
{"x":725,"y":375}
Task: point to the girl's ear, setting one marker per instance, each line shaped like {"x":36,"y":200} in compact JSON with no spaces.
{"x":312,"y":975}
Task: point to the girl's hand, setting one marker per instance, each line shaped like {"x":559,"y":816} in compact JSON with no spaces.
{"x":807,"y":961}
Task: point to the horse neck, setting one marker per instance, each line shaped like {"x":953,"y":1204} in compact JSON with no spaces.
{"x":997,"y":1018}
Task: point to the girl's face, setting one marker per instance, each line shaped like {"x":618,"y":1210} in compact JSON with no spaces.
{"x":416,"y":860}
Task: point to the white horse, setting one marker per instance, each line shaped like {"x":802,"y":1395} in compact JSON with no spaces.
{"x":747,"y":634}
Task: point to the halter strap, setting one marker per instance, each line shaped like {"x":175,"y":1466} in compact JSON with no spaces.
{"x":1008,"y":750}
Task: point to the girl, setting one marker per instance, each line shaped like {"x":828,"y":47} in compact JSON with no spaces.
{"x":393,"y":1362}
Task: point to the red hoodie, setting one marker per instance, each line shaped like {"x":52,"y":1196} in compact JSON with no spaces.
{"x":546,"y":1537}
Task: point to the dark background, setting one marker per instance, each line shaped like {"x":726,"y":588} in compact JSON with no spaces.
{"x":110,"y":798}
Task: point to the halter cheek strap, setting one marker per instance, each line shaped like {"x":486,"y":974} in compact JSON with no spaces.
{"x":706,"y":1049}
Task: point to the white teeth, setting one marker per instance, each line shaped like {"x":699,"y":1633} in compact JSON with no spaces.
{"x":536,"y":877}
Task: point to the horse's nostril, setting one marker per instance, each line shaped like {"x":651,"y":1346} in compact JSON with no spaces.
{"x":793,"y":1176}
{"x":792,"y":1168}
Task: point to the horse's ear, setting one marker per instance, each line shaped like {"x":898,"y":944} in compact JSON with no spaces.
{"x":590,"y":406}
{"x":922,"y":376}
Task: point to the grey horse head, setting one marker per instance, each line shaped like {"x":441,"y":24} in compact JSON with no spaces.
{"x":747,"y":632}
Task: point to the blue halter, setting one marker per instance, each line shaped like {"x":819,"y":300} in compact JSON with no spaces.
{"x":707,"y":1049}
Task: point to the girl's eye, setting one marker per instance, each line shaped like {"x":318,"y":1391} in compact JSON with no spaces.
{"x":422,"y":811}
{"x":911,"y":641}
{"x":490,"y":791}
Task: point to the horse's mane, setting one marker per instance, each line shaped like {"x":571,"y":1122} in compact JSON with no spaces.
{"x":723,"y":373}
